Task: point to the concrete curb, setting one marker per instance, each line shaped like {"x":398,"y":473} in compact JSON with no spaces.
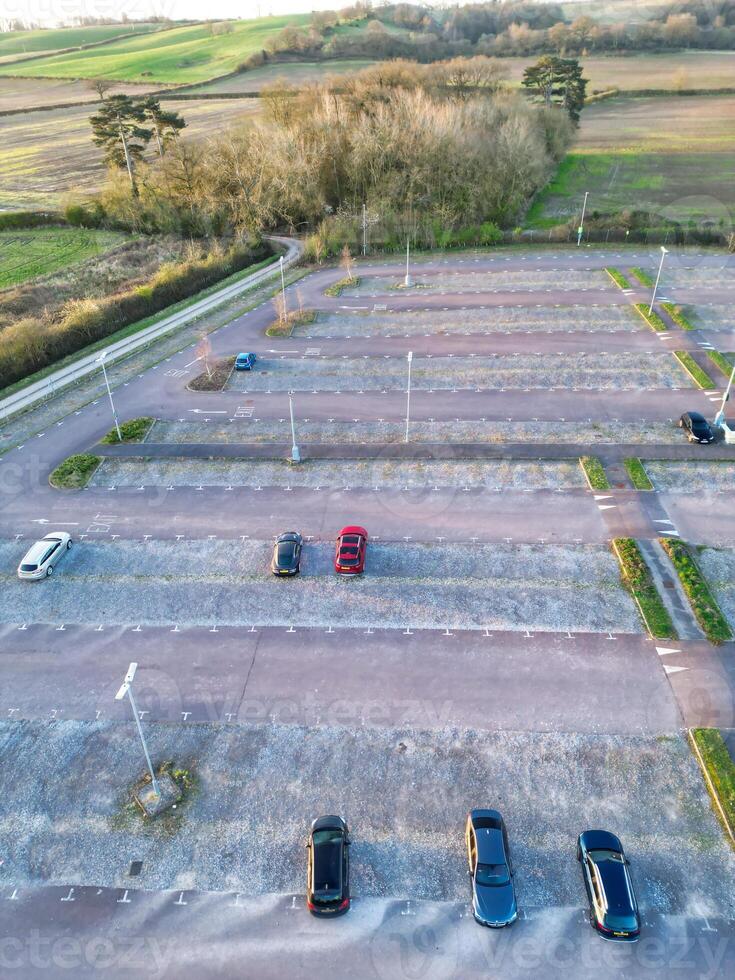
{"x":54,"y":383}
{"x":711,"y":786}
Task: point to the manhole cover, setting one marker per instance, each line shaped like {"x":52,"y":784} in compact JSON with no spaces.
{"x":668,"y":584}
{"x":135,"y":868}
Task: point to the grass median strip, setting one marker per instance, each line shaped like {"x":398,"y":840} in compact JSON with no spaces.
{"x":595,"y":472}
{"x":642,"y":276}
{"x":75,"y":472}
{"x":637,"y":473}
{"x":336,"y":288}
{"x":723,"y":361}
{"x":709,"y":615}
{"x":285,"y":327}
{"x":652,"y":319}
{"x":618,"y":278}
{"x":134,"y":430}
{"x":678,"y":316}
{"x":719,"y":769}
{"x":215,"y":378}
{"x":637,"y":578}
{"x":698,"y":374}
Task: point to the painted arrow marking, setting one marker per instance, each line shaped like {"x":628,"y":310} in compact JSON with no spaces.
{"x":200,"y":411}
{"x":665,"y":651}
{"x":600,"y":496}
{"x":606,"y":506}
{"x":674,"y":670}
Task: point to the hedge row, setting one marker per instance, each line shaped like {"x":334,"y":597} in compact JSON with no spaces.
{"x":30,"y":344}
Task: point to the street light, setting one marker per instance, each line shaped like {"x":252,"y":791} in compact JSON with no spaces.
{"x":127,"y":688}
{"x":408,"y":392}
{"x":101,"y":360}
{"x":295,"y":454}
{"x":664,"y":253}
{"x":720,"y":417}
{"x":580,"y":230}
{"x":407,"y":281}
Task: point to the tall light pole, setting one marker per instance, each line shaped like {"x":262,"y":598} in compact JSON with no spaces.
{"x":720,"y":417}
{"x":408,"y":393}
{"x":364,"y":229}
{"x":101,"y":360}
{"x":407,"y":280}
{"x":295,"y":454}
{"x":664,"y":253}
{"x":127,"y":688}
{"x":283,"y":286}
{"x":580,"y":230}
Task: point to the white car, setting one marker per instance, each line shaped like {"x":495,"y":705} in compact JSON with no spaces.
{"x":41,"y":558}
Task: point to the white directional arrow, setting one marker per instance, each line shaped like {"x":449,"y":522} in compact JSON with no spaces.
{"x":40,"y":520}
{"x":201,"y":411}
{"x":606,"y":506}
{"x":665,"y":651}
{"x":602,"y":496}
{"x":662,"y":520}
{"x":43,"y":520}
{"x":674,"y":670}
{"x":283,"y":351}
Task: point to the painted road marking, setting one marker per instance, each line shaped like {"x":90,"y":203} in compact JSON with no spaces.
{"x":665,"y":651}
{"x":674,"y":670}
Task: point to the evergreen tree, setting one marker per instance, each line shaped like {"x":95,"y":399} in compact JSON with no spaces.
{"x":166,"y":125}
{"x":117,"y":128}
{"x":557,"y":81}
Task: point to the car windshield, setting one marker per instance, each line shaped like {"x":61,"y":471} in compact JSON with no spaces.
{"x":28,"y":568}
{"x":601,"y":855}
{"x":351,"y":539}
{"x":346,"y":560}
{"x":700,"y":425}
{"x":621,"y":923}
{"x":492,"y":874}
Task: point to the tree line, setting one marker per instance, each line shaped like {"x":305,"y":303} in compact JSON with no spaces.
{"x":442,"y":146}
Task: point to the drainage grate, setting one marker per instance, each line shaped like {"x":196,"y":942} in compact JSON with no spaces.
{"x":135,"y":868}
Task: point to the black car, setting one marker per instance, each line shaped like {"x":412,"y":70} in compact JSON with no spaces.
{"x":696,"y":427}
{"x":287,"y":554}
{"x":613,"y":908}
{"x":328,"y":867}
{"x":490,"y":869}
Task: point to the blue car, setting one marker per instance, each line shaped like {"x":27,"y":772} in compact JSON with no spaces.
{"x":245,"y":362}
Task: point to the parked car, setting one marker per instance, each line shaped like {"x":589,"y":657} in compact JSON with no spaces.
{"x":287,"y":554}
{"x":613,"y":907}
{"x":328,"y":867}
{"x":490,"y":869}
{"x":349,"y":555}
{"x":245,"y":362}
{"x":696,"y":427}
{"x":41,"y":558}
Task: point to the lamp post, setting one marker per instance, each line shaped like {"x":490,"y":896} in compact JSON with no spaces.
{"x":580,"y":230}
{"x":664,"y":253}
{"x":295,"y":454}
{"x":720,"y":417}
{"x":407,"y":281}
{"x":101,"y":361}
{"x":408,"y":393}
{"x":127,"y":688}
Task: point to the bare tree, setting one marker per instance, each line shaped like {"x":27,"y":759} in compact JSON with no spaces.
{"x":101,"y":86}
{"x":204,"y":352}
{"x":346,"y":262}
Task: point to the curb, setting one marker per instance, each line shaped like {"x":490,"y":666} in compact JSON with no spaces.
{"x":711,"y":786}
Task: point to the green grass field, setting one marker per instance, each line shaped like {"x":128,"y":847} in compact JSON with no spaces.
{"x":16,"y":44}
{"x":183,"y":54}
{"x":671,"y":156}
{"x":38,"y":251}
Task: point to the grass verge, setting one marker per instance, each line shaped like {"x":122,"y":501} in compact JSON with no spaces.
{"x":618,"y":278}
{"x":637,"y":473}
{"x":595,"y":472}
{"x":652,"y":319}
{"x":284,"y":328}
{"x":695,"y":372}
{"x":719,"y":771}
{"x":642,"y":276}
{"x":637,"y":579}
{"x":678,"y":316}
{"x":216,"y":378}
{"x":336,"y":288}
{"x":74,"y":472}
{"x":708,"y":613}
{"x":134,"y":430}
{"x":723,"y":361}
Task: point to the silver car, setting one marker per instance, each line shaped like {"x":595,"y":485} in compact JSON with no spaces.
{"x":40,"y":559}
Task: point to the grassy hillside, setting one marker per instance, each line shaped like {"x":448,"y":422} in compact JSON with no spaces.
{"x":32,"y":252}
{"x":15,"y":44}
{"x":183,"y":54}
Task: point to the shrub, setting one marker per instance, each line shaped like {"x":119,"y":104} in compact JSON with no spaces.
{"x":27,"y":219}
{"x":708,"y":613}
{"x":134,"y":430}
{"x":637,"y":578}
{"x":75,"y":472}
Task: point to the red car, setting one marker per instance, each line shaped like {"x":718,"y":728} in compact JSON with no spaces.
{"x":349,"y":557}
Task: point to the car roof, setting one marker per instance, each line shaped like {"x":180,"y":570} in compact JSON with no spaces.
{"x":696,"y":417}
{"x":614,"y":877}
{"x":490,"y":847}
{"x":36,"y":552}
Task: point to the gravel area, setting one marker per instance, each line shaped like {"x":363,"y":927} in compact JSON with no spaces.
{"x":269,"y":430}
{"x":718,"y":567}
{"x":692,"y":476}
{"x":536,"y":587}
{"x":590,"y":371}
{"x":498,"y":319}
{"x":404,"y":792}
{"x":714,"y":318}
{"x":429,"y":283}
{"x":383,"y":473}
